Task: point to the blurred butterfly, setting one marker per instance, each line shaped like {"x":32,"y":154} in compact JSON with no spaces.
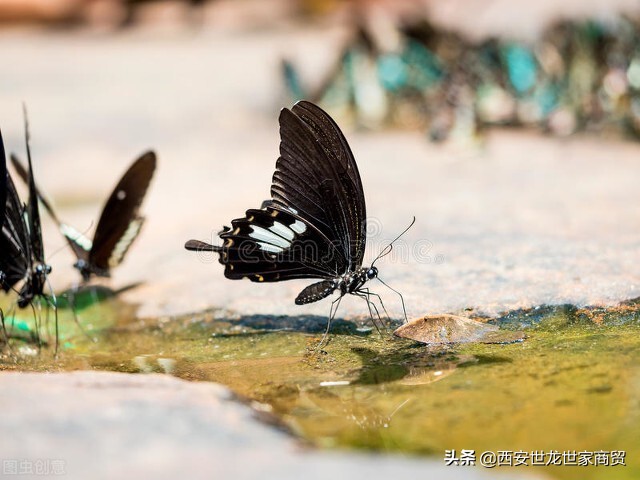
{"x":21,"y":248}
{"x":315,"y":224}
{"x":119,"y":224}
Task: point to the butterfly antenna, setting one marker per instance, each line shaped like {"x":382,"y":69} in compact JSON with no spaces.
{"x":4,"y":328}
{"x":399,"y":294}
{"x":72,"y":306}
{"x":79,"y":235}
{"x":387,"y":250}
{"x":56,"y":251}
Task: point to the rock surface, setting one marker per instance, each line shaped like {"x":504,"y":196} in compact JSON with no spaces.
{"x":443,"y":329}
{"x":109,"y":425}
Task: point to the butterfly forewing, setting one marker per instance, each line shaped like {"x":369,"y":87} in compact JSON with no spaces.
{"x":120,"y":221}
{"x":35,"y":228}
{"x":15,"y":252}
{"x":3,"y":182}
{"x":316,"y":175}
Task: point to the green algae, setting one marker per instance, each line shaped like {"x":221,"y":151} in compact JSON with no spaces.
{"x":573,"y":384}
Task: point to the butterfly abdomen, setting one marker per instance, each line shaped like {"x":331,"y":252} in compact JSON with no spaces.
{"x":315,"y":292}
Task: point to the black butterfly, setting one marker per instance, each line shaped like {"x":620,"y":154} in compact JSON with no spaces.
{"x":315,"y":224}
{"x":21,"y":248}
{"x":119,"y":224}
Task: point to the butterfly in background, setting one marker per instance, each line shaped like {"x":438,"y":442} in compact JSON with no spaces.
{"x":119,"y":224}
{"x":315,"y":224}
{"x":21,"y":248}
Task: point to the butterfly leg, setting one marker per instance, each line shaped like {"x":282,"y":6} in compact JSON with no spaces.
{"x":53,"y":303}
{"x":71,"y":298}
{"x":36,"y":324}
{"x":45,"y":324}
{"x":367,"y":292}
{"x":359,"y":293}
{"x":12,"y":313}
{"x":55,"y":313}
{"x":4,"y":330}
{"x":94,"y":295}
{"x":332,"y":313}
{"x":401,"y":298}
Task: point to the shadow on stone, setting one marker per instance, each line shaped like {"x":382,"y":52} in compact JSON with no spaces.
{"x":300,"y":323}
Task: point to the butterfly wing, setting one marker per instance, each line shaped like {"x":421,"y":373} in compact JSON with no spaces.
{"x":35,"y":227}
{"x":3,"y":183}
{"x":80,"y":244}
{"x":317,"y":177}
{"x":270,"y":245}
{"x":120,"y":221}
{"x":15,"y":253}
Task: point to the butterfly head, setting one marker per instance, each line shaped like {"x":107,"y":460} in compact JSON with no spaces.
{"x":42,"y":269}
{"x":84,"y":268}
{"x":372,"y":273}
{"x":34,"y":284}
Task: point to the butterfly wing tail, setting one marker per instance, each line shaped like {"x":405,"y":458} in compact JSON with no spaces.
{"x":198,"y":246}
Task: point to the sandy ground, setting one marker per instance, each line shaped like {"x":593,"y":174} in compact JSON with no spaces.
{"x":526,"y":220}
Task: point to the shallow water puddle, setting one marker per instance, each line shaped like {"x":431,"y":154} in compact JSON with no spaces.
{"x":573,"y":384}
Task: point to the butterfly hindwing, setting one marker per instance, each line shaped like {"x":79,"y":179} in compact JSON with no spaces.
{"x":270,"y":245}
{"x":120,"y":221}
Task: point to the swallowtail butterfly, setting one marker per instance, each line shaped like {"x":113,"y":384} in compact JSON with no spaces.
{"x":314,"y":226}
{"x":119,"y":224}
{"x":21,"y":247}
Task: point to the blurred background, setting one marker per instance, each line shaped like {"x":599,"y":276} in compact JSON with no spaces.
{"x":496,"y":123}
